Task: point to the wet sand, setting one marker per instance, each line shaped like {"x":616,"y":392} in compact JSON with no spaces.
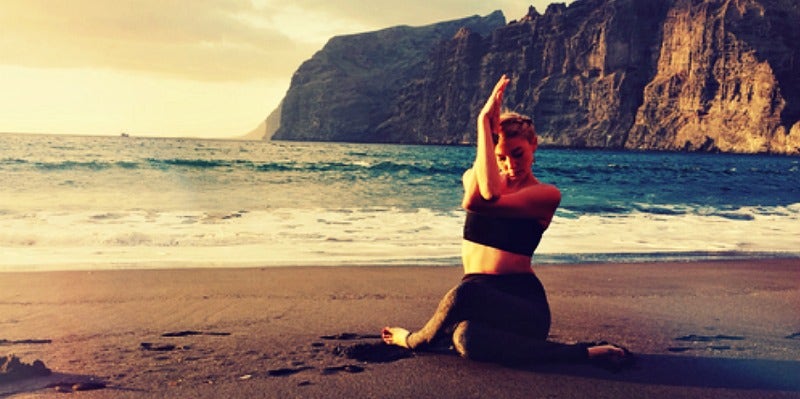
{"x":726,"y":329}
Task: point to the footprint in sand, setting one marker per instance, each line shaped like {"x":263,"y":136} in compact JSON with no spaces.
{"x":149,"y":346}
{"x":25,"y":341}
{"x":347,"y":336}
{"x":67,"y":387}
{"x":708,"y":338}
{"x":350,"y":368}
{"x":371,"y":352}
{"x":680,"y":348}
{"x":287,"y":371}
{"x":694,"y":338}
{"x":187,"y":333}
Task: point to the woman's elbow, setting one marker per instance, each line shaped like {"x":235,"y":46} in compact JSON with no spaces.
{"x":470,"y":202}
{"x":476,"y":203}
{"x":466,"y":203}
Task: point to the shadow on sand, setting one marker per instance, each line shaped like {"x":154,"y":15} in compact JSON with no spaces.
{"x":686,"y":371}
{"x":650,"y":369}
{"x":57,"y":382}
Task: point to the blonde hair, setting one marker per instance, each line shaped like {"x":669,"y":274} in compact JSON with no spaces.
{"x":524,"y":126}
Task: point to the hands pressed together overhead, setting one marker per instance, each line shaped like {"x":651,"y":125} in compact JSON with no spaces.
{"x":491,"y":109}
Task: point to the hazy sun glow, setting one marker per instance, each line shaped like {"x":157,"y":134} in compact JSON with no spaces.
{"x":97,"y":101}
{"x":208,"y":68}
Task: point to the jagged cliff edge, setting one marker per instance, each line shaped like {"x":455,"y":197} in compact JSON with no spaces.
{"x":714,"y":76}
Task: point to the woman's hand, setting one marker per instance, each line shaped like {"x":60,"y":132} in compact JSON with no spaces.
{"x":491,"y":110}
{"x":486,"y":170}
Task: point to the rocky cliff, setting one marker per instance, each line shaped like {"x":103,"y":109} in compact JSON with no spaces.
{"x":726,"y":79}
{"x":713,"y":75}
{"x":347,"y":90}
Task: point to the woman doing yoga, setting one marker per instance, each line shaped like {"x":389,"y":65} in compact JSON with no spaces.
{"x":499,"y":311}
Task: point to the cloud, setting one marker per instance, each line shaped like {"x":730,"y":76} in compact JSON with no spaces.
{"x":206,"y":40}
{"x":384,"y":13}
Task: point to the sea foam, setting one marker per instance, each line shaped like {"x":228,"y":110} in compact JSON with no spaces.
{"x":376,"y":236}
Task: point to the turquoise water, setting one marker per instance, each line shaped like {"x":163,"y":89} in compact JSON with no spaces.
{"x":73,"y":201}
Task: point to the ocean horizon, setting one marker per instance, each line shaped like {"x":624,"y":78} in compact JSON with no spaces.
{"x":105,"y":202}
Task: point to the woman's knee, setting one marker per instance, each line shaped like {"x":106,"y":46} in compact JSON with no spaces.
{"x":461,"y":339}
{"x":467,"y":340}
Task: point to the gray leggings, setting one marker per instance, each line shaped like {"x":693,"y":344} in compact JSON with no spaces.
{"x":499,"y":318}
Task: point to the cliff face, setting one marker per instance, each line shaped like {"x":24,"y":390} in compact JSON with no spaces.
{"x":714,"y":75}
{"x":726,"y":79}
{"x":578,"y":71}
{"x":347,"y":90}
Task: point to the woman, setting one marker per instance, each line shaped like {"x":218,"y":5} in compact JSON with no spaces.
{"x":499,"y":312}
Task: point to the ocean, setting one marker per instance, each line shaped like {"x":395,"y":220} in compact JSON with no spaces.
{"x":91,"y":202}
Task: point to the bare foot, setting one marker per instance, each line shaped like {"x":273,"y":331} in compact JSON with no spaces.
{"x":612,"y":351}
{"x":395,"y":336}
{"x":610,"y":357}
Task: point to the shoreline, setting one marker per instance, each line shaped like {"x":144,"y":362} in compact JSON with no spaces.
{"x":700,"y":329}
{"x":540,"y":260}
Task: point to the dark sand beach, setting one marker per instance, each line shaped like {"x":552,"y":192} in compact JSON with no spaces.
{"x":727,"y":329}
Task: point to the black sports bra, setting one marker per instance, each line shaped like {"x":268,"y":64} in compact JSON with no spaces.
{"x":517,"y":235}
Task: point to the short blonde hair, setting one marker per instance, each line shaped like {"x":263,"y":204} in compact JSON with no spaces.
{"x":523,"y":125}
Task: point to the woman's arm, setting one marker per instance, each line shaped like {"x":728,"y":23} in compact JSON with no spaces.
{"x":485,"y":169}
{"x":484,"y":186}
{"x":538,"y":201}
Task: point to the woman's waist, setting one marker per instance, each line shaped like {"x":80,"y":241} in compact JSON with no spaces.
{"x":481,"y":259}
{"x":523,"y":285}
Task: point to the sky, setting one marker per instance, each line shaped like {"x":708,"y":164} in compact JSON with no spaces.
{"x":200,"y":68}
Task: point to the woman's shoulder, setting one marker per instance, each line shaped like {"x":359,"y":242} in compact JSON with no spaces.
{"x":540,"y":188}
